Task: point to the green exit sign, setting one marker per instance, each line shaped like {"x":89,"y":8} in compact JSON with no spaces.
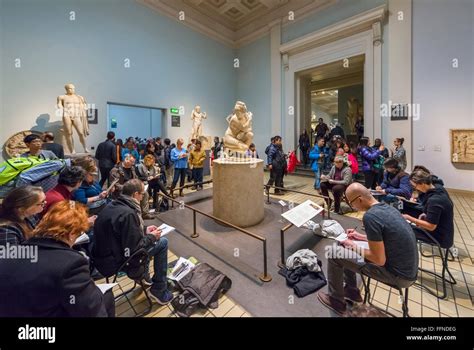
{"x":174,"y":110}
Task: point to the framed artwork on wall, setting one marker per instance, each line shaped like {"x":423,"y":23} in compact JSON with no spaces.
{"x":175,"y":121}
{"x":462,"y":146}
{"x":92,"y":116}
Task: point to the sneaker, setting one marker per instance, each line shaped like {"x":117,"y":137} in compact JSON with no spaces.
{"x":353,"y":294}
{"x":147,"y":280}
{"x":335,"y":305}
{"x":161,"y":298}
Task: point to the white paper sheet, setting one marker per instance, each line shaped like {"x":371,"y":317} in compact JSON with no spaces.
{"x":302,"y":213}
{"x":104,"y":287}
{"x":165,"y":229}
{"x":182,"y":268}
{"x":82,"y":239}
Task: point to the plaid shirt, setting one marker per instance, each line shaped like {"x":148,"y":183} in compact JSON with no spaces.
{"x":12,"y":233}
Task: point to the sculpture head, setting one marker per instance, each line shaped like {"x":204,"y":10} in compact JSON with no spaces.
{"x":197,"y":109}
{"x":70,"y":89}
{"x":240,"y":108}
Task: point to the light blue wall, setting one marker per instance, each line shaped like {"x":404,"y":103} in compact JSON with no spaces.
{"x":442,"y":31}
{"x":135,"y":121}
{"x":254,"y":88}
{"x":171,"y":65}
{"x":338,"y":12}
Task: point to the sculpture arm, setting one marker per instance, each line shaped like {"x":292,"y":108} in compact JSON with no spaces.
{"x":59,"y":102}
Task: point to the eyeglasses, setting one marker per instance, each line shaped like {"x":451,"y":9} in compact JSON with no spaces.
{"x":42,"y":204}
{"x":350,"y":202}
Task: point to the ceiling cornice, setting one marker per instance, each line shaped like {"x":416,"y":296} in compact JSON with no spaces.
{"x":368,"y":20}
{"x":249,"y":32}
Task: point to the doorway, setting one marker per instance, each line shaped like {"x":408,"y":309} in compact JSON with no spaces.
{"x":333,"y":92}
{"x":136,"y":121}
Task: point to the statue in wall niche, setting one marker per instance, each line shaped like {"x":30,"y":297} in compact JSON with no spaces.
{"x":239,"y":135}
{"x":354,"y":110}
{"x":74,"y":114}
{"x":197,"y":118}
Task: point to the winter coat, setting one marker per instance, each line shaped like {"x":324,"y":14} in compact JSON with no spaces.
{"x":315,"y":157}
{"x":118,"y":234}
{"x":398,"y":185}
{"x":368,"y":156}
{"x":346,"y":175}
{"x":276,"y":158}
{"x":46,"y":287}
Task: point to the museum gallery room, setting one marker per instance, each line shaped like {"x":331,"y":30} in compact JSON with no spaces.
{"x":237,"y":158}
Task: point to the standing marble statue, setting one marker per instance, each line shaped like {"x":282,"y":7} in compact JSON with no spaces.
{"x":74,"y":115}
{"x":239,"y":135}
{"x":197,"y":118}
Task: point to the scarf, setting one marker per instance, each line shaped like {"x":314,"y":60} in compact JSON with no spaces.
{"x":134,"y":204}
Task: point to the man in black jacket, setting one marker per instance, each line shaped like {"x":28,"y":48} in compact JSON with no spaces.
{"x":50,"y":145}
{"x":106,"y":154}
{"x":119,"y":232}
{"x":276,"y":162}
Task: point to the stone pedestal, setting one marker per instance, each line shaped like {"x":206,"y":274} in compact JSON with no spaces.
{"x":238,"y":191}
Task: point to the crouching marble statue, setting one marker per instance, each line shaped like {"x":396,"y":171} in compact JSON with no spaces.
{"x":239,"y":135}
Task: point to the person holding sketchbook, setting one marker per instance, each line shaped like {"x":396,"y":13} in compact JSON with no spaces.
{"x":389,"y":255}
{"x":336,"y":181}
{"x":56,"y":281}
{"x":120,"y":232}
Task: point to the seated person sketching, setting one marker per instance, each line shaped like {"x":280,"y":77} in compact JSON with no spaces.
{"x":392,"y":256}
{"x":18,"y":213}
{"x":337,"y":180}
{"x":91,"y":194}
{"x":149,"y":173}
{"x":395,"y":182}
{"x":437,"y":217}
{"x":120,"y":232}
{"x":124,"y":172}
{"x":57,"y":282}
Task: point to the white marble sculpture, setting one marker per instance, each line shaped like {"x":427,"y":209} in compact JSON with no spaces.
{"x":73,"y":109}
{"x":197,"y":118}
{"x":239,"y":135}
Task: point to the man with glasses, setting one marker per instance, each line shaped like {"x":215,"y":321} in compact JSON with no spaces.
{"x":34,"y":143}
{"x":391,"y":257}
{"x":120,"y":232}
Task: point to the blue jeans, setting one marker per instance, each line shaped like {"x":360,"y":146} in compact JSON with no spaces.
{"x":159,"y":251}
{"x":179,"y":174}
{"x":317,"y":180}
{"x":197,"y":175}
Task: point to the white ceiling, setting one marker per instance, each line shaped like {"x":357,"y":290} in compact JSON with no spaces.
{"x":236,"y":22}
